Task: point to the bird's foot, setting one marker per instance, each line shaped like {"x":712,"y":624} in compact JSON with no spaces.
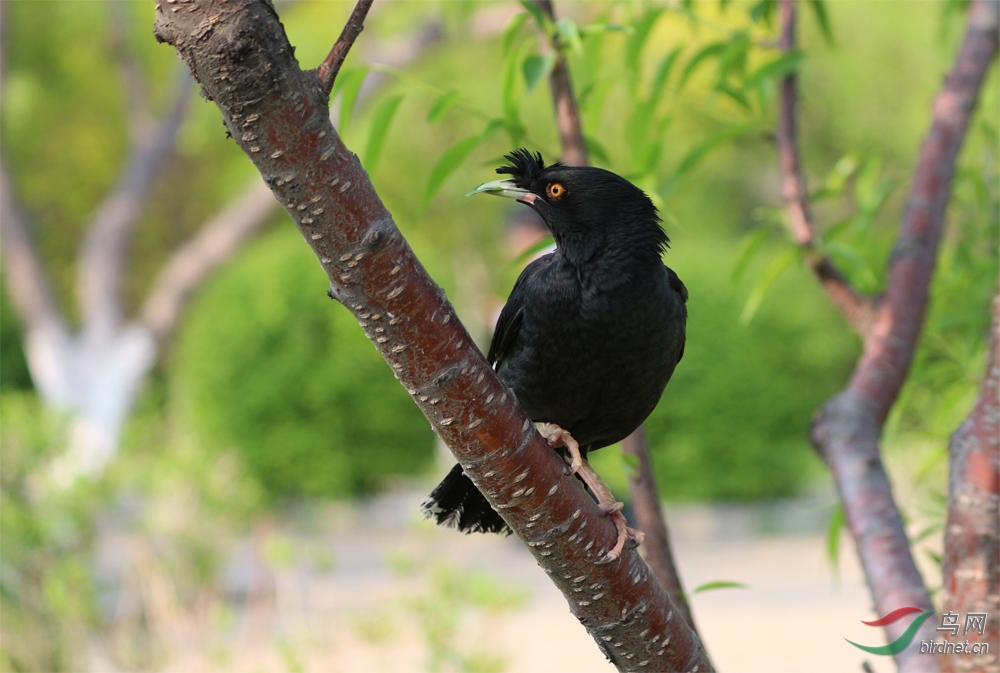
{"x":631,"y":536}
{"x":556,"y":436}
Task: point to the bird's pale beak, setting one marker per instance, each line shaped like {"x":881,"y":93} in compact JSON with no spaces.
{"x":505,"y":188}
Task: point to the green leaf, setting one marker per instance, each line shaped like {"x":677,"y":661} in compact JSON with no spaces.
{"x":708,"y":51}
{"x":779,"y":67}
{"x":630,"y":463}
{"x":771,"y":274}
{"x":733,"y":57}
{"x":453,"y":158}
{"x":837,"y":178}
{"x":570,"y":34}
{"x":928,"y":531}
{"x":510,"y":97}
{"x":663,"y":73}
{"x":379,"y":129}
{"x":535,"y":67}
{"x":541,"y":18}
{"x":763,"y":11}
{"x":867,"y":179}
{"x":719,"y":584}
{"x":596,"y":150}
{"x":819,"y":11}
{"x":601,"y":27}
{"x":855,"y":266}
{"x":348,"y":84}
{"x":444,"y":102}
{"x":511,"y":32}
{"x":749,"y":246}
{"x":633,"y":50}
{"x":699,"y":151}
{"x":836,"y":525}
{"x":733,"y":94}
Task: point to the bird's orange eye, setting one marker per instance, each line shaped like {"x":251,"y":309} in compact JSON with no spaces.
{"x":555,"y":190}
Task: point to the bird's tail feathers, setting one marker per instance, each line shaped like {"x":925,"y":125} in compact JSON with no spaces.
{"x":457,"y":503}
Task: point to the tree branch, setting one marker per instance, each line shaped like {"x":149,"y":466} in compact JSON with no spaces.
{"x":857,"y":309}
{"x":971,"y":543}
{"x":27,"y":283}
{"x":103,"y":253}
{"x":190,"y":264}
{"x":847,"y":430}
{"x":328,"y":69}
{"x":141,"y":121}
{"x":651,"y":520}
{"x":278,"y":115}
{"x":574,"y":147}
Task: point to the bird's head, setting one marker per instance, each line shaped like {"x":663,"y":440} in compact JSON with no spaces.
{"x":589,"y":210}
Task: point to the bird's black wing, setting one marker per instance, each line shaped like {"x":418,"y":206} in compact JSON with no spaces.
{"x":512,"y":314}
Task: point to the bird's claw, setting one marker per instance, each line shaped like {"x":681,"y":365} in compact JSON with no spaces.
{"x":633,"y":537}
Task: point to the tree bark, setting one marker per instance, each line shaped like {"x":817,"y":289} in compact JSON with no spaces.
{"x":278,"y":114}
{"x":971,"y":565}
{"x":847,"y":430}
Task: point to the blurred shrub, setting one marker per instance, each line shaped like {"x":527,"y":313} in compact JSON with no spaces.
{"x":46,"y":593}
{"x":269,"y":365}
{"x":13,"y":367}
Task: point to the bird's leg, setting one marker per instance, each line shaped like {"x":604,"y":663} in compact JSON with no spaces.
{"x":611,"y":508}
{"x":556,"y":436}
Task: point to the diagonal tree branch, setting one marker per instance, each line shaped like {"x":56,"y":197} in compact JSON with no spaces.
{"x":279,"y":116}
{"x":105,"y":248}
{"x":971,"y":543}
{"x":847,"y":430}
{"x":857,"y":309}
{"x":27,"y":283}
{"x":328,"y":69}
{"x":214,"y":243}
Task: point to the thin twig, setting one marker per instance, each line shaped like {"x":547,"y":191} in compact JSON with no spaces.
{"x":328,"y":69}
{"x":856,"y":308}
{"x":574,"y":147}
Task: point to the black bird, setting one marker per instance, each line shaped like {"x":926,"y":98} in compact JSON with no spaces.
{"x":591,"y":333}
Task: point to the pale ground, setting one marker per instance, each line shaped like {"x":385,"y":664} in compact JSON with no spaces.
{"x":350,"y":592}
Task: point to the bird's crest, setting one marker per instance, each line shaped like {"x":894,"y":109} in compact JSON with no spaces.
{"x":524,"y":167}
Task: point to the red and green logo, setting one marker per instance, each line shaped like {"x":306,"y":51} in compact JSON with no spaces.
{"x":901,"y":643}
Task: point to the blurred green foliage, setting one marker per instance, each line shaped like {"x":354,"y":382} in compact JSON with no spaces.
{"x":46,"y":588}
{"x":269,"y":364}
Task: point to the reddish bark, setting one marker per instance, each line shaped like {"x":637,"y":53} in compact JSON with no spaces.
{"x":971,"y":565}
{"x":574,"y":148}
{"x":651,"y":520}
{"x":857,"y":309}
{"x":847,"y":430}
{"x":278,"y":115}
